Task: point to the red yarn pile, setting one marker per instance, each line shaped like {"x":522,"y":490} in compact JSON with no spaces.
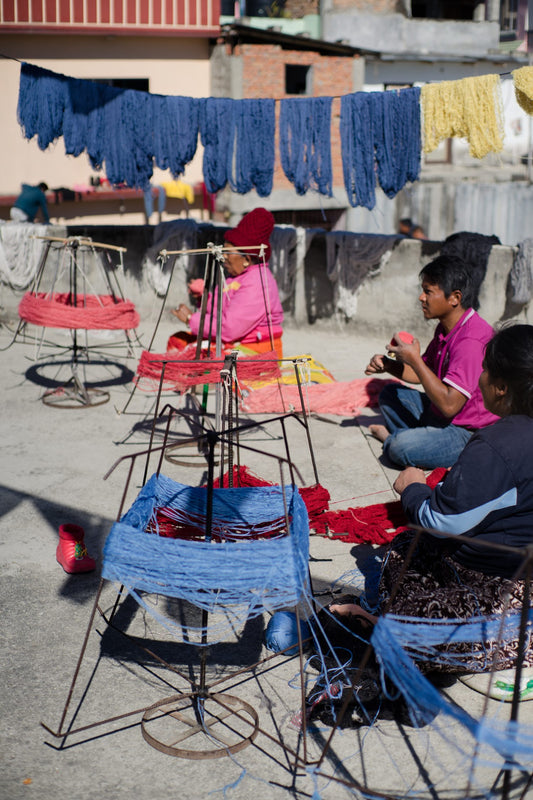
{"x":85,"y":312}
{"x":183,"y":369}
{"x":375,"y":524}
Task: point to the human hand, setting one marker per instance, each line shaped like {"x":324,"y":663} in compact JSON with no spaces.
{"x":376,"y":365}
{"x":408,"y":476}
{"x":182,"y":312}
{"x":404,"y":347}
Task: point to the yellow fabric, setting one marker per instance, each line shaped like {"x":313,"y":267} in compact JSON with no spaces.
{"x":471,"y":108}
{"x":523,"y":88}
{"x":180,"y":190}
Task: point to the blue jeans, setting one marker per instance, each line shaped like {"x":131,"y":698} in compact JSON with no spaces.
{"x":418,"y":437}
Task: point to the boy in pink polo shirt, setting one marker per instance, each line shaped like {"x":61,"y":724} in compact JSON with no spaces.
{"x":429,"y":429}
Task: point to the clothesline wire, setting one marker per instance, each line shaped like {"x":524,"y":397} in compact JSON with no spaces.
{"x":276,"y":99}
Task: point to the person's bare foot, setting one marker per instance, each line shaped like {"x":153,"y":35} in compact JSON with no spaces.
{"x":379,"y":432}
{"x":351,"y":610}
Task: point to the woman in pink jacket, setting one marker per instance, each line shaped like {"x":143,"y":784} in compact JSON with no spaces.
{"x":251,"y":309}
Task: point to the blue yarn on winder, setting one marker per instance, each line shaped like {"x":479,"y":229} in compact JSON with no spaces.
{"x":305,"y":143}
{"x":390,"y":638}
{"x":254,"y":574}
{"x":251,"y":165}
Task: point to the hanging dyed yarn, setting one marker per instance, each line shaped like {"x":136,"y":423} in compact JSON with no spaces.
{"x":397,"y":138}
{"x":357,"y":142}
{"x":380,"y":138}
{"x":471,"y":108}
{"x":176,"y":124}
{"x":238,"y":137}
{"x":305,"y":143}
{"x":523,"y":87}
{"x":251,"y":164}
{"x":90,"y":312}
{"x":43,"y":96}
{"x":122,"y":130}
{"x":216,"y":131}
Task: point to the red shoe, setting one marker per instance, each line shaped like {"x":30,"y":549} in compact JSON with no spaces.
{"x":71,"y":552}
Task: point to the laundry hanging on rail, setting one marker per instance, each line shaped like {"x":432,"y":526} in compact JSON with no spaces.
{"x":305,"y":143}
{"x":380,"y":139}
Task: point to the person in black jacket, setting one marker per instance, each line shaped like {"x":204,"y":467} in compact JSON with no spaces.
{"x":487,"y":497}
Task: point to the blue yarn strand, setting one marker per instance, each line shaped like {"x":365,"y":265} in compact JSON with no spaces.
{"x":305,"y":143}
{"x":357,"y":143}
{"x":41,"y":103}
{"x":397,"y":138}
{"x":175,"y":122}
{"x":216,"y":131}
{"x":251,"y":165}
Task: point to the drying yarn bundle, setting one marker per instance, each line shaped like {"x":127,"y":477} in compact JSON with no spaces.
{"x":305,"y":143}
{"x":523,"y":86}
{"x":471,"y":108}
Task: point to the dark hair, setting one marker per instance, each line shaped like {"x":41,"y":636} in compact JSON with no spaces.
{"x":43,"y":186}
{"x":450,"y":273}
{"x":509,"y":357}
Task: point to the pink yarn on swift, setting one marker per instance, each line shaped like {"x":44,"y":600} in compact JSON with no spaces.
{"x":345,"y":399}
{"x":183,"y":369}
{"x":89,"y":312}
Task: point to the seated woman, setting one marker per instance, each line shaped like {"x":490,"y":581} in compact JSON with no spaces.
{"x":486,"y":497}
{"x":251,"y":309}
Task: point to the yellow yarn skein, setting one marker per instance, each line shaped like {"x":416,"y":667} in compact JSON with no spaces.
{"x":523,"y":88}
{"x":471,"y":108}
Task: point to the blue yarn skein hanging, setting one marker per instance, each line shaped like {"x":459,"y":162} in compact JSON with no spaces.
{"x":216,"y":131}
{"x":357,"y":142}
{"x":175,"y":123}
{"x":41,"y":103}
{"x":251,"y":165}
{"x":397,"y":138}
{"x":305,"y":143}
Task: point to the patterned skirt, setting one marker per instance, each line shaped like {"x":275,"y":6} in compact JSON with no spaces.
{"x":435,"y":586}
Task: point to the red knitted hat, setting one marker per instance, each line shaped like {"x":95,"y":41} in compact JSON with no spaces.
{"x":253,"y":229}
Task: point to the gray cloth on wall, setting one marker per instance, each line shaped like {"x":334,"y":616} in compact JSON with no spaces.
{"x":21,"y":251}
{"x":520,"y":286}
{"x":474,"y":249}
{"x":351,"y":256}
{"x":283,"y":261}
{"x":179,"y":234}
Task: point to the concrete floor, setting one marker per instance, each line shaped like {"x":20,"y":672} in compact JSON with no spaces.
{"x":53,"y":465}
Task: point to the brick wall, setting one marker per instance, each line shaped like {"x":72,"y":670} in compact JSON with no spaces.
{"x":263,"y":71}
{"x":296,"y":9}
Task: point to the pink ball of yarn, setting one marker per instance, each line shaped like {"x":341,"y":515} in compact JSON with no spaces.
{"x":403,"y":336}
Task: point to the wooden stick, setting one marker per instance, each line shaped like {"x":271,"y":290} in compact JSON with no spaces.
{"x":81,"y":241}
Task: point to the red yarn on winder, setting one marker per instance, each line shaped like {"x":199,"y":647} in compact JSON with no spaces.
{"x":183,"y":369}
{"x":87,"y":312}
